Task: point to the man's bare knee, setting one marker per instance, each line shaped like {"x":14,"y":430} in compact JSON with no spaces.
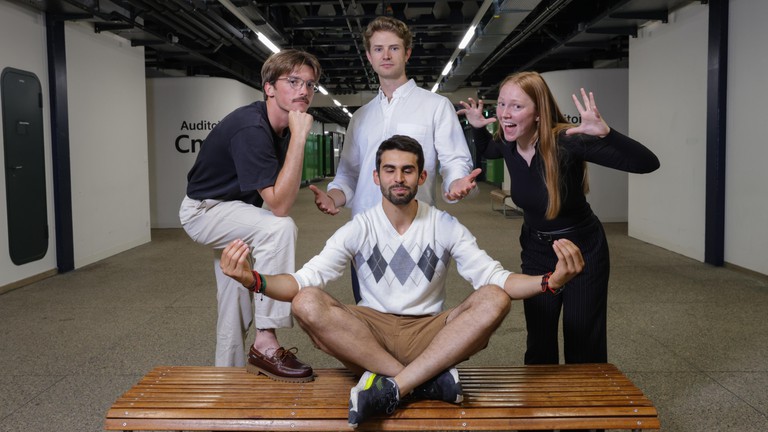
{"x":492,"y":300}
{"x":306,"y":302}
{"x":310,"y":306}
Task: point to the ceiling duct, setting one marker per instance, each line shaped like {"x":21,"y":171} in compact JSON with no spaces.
{"x":508,"y":15}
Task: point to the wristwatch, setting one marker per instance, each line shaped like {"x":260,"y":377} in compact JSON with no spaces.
{"x":545,"y":285}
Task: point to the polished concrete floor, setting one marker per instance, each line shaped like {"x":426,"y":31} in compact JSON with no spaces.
{"x":693,"y":337}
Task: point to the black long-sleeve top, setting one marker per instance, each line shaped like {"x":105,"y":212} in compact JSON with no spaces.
{"x":529,"y":191}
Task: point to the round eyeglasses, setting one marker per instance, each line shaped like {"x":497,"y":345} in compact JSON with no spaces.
{"x":296,"y":83}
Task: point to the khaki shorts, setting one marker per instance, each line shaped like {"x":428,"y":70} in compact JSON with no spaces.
{"x":403,"y":336}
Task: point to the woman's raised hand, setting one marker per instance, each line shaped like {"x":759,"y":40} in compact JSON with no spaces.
{"x":592,"y":123}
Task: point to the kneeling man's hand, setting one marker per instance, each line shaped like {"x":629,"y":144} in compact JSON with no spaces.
{"x":234,"y":262}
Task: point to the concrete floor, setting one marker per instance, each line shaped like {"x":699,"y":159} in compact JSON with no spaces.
{"x":693,"y":337}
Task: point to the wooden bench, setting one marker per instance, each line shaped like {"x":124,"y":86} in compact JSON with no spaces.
{"x":499,"y":196}
{"x":495,"y":398}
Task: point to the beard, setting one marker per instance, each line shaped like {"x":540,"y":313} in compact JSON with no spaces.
{"x":399,"y":199}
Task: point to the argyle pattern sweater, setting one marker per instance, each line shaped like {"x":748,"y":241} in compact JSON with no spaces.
{"x":403,"y":274}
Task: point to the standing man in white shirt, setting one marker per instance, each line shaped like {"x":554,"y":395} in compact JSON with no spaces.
{"x":400,"y":108}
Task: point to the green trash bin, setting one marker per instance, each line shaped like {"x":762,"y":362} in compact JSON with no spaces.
{"x":494,"y":171}
{"x":312,"y":169}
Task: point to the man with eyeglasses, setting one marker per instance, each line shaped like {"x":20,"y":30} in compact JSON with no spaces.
{"x":253,"y":158}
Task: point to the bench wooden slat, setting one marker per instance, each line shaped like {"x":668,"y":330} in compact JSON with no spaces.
{"x":411,"y":412}
{"x":379,"y":425}
{"x":496,"y":398}
{"x":473,"y":403}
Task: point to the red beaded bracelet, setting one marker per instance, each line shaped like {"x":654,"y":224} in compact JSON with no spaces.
{"x":259,"y":283}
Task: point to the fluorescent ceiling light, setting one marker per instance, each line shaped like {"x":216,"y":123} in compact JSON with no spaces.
{"x":467,"y":37}
{"x":447,"y":68}
{"x":337,"y":102}
{"x":322,"y":90}
{"x":268,"y":43}
{"x":434,"y":89}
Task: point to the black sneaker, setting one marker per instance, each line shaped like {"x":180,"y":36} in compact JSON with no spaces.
{"x":373,"y":394}
{"x":446,"y":386}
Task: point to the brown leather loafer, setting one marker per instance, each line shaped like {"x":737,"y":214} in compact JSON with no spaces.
{"x":280,"y":366}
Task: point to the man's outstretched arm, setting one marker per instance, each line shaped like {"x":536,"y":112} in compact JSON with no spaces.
{"x":461,"y":188}
{"x":329,"y":202}
{"x":235,"y":264}
{"x":569,"y":264}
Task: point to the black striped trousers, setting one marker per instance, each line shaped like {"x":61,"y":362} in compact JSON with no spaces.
{"x":583,"y":301}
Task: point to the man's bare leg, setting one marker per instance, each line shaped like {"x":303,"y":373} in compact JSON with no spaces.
{"x":339,"y":333}
{"x":468,"y":329}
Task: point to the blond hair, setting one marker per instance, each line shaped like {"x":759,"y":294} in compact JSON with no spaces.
{"x":389,"y":24}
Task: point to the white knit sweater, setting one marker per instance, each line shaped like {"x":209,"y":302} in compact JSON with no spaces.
{"x":403,"y":274}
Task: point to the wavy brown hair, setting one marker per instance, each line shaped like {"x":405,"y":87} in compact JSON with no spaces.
{"x":287,"y":61}
{"x":551,"y":122}
{"x":389,"y":24}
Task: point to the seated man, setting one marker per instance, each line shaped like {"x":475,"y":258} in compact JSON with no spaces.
{"x":398,"y":337}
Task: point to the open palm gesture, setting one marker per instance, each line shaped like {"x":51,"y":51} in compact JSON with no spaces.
{"x":473,"y":110}
{"x":592,"y":123}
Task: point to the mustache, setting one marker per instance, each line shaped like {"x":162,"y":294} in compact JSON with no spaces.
{"x":305,"y":100}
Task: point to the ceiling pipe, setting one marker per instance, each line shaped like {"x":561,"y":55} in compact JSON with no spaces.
{"x":230,"y":33}
{"x":250,"y":24}
{"x":199,"y":26}
{"x":161,"y":13}
{"x":231,"y":67}
{"x":204,"y":26}
{"x":539,"y":21}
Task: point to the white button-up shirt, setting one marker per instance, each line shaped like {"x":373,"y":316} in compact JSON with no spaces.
{"x":420,"y":114}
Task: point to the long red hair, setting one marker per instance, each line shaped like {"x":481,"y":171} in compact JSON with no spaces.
{"x":551,"y":122}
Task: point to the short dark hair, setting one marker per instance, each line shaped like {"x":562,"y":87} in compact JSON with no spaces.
{"x":402,"y":143}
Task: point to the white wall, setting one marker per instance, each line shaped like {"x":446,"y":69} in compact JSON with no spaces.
{"x":667,"y":113}
{"x":22,"y":46}
{"x":108,"y":143}
{"x":746,"y":232}
{"x":608,"y":187}
{"x":170,"y":103}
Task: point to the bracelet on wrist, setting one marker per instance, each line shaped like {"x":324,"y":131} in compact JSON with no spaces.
{"x":259,"y":283}
{"x":262,"y":284}
{"x":545,"y":285}
{"x":255,"y":282}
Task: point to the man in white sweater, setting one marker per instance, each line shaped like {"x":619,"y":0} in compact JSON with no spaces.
{"x":398,"y":337}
